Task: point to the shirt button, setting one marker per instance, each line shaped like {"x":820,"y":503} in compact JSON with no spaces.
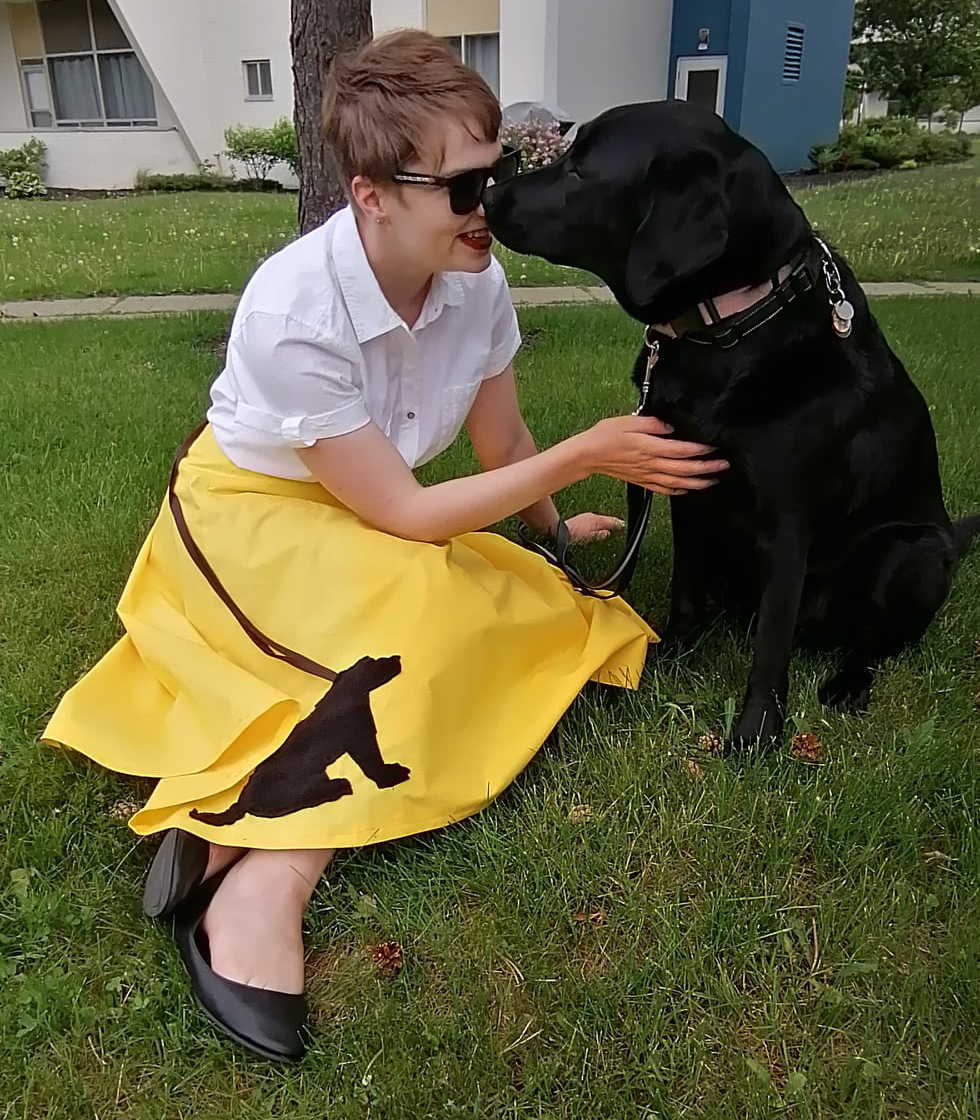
{"x":410,"y":415}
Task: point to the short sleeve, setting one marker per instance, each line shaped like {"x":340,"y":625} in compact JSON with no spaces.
{"x":506,"y":335}
{"x":292,"y":385}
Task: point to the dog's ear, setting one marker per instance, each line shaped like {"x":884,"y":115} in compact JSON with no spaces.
{"x":685,"y":229}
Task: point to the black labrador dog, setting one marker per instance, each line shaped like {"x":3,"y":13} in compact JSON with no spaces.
{"x":830,"y":529}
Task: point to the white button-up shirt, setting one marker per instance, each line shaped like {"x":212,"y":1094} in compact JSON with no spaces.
{"x":316,"y":350}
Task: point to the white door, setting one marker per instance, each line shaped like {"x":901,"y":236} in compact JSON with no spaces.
{"x":701,"y":80}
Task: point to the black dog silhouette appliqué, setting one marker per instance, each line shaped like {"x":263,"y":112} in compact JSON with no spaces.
{"x":295,"y":776}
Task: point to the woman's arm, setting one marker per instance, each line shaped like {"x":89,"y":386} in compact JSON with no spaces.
{"x":499,"y":436}
{"x":364,"y":471}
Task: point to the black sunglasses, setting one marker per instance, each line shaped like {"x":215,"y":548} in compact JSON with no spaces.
{"x":466,"y":189}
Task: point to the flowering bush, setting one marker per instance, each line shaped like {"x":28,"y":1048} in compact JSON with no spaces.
{"x":540,"y":143}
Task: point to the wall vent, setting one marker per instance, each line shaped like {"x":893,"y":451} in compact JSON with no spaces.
{"x":793,"y":56}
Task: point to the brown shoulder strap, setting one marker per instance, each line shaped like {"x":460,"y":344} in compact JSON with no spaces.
{"x":267,"y":645}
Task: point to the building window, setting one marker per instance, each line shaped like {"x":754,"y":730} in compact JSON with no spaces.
{"x":37,"y":96}
{"x":258,"y":80}
{"x":793,"y":54}
{"x":482,"y":54}
{"x":90,"y":76}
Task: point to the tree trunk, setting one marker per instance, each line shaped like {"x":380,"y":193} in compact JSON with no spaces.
{"x":321,"y":29}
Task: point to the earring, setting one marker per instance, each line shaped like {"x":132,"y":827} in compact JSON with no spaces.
{"x":381,"y":221}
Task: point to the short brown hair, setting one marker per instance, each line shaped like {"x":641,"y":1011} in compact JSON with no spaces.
{"x":380,"y":100}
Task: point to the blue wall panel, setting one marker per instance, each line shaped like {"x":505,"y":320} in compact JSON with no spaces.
{"x":783,"y":118}
{"x":689,"y":16}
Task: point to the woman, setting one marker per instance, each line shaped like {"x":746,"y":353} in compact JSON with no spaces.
{"x":320,"y":652}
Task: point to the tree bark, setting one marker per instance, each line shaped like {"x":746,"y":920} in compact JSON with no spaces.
{"x":321,"y":29}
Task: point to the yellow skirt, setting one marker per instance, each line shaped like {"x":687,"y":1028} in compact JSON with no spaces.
{"x":453,"y":663}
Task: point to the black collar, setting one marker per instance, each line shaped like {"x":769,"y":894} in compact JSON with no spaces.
{"x":726,"y":333}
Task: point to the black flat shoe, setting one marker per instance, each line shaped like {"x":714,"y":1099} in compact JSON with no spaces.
{"x":268,"y":1023}
{"x":177,"y":868}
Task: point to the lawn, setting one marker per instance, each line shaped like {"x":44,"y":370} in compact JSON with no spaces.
{"x":629,"y":932}
{"x":909,"y":225}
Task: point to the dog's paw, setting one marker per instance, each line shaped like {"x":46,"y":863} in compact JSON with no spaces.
{"x":674,"y":641}
{"x":847,"y":691}
{"x":757,"y":729}
{"x":392,"y":774}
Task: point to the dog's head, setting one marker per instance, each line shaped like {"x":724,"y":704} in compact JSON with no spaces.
{"x":662,"y":201}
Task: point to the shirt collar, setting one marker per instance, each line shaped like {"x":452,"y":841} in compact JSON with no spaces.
{"x":446,"y":290}
{"x":370,"y":312}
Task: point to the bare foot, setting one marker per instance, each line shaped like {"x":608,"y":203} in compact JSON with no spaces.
{"x":254,"y":923}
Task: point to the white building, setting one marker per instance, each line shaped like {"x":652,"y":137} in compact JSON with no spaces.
{"x":113,"y":87}
{"x":555,"y":51}
{"x":873,"y":104}
{"x":116,"y":86}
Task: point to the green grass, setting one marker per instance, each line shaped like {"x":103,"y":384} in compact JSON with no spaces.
{"x":907,"y":225}
{"x":910,"y":225}
{"x":691,"y":989}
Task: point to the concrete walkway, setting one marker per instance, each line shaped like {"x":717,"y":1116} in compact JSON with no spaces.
{"x":114,"y":306}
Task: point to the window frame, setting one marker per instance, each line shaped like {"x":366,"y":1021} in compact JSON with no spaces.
{"x":258,"y":63}
{"x":64,"y":124}
{"x":35,"y":65}
{"x":462,"y":39}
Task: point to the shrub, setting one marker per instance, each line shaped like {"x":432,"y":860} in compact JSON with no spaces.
{"x":25,"y":184}
{"x":824,"y":157}
{"x":200,"y":181}
{"x":540,"y":142}
{"x":260,"y":149}
{"x":943,"y":147}
{"x":283,"y":144}
{"x":250,"y":146}
{"x":28,"y":159}
{"x":183,"y":181}
{"x":888,"y":142}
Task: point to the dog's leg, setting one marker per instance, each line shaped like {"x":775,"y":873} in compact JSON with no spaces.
{"x":763,"y":709}
{"x":690,"y":581}
{"x":906,"y":578}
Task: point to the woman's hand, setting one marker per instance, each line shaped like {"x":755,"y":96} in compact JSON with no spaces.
{"x":585,"y":527}
{"x":638,"y":449}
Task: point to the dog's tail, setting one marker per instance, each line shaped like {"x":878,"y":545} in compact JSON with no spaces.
{"x":229,"y":816}
{"x":964,"y":531}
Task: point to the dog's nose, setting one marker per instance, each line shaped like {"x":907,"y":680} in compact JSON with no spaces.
{"x":492,"y":198}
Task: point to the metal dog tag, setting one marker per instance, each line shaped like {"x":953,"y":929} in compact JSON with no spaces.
{"x":842,"y":316}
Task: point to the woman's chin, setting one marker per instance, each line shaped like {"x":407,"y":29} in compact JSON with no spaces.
{"x":466,"y":259}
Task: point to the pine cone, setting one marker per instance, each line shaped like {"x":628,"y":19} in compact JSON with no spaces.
{"x":123,"y":810}
{"x":807,"y":747}
{"x":712,"y":743}
{"x":580,"y":814}
{"x":388,"y":957}
{"x":596,"y":917}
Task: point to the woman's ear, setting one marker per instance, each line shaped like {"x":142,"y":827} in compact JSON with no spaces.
{"x":686,"y":229}
{"x":366,"y":197}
